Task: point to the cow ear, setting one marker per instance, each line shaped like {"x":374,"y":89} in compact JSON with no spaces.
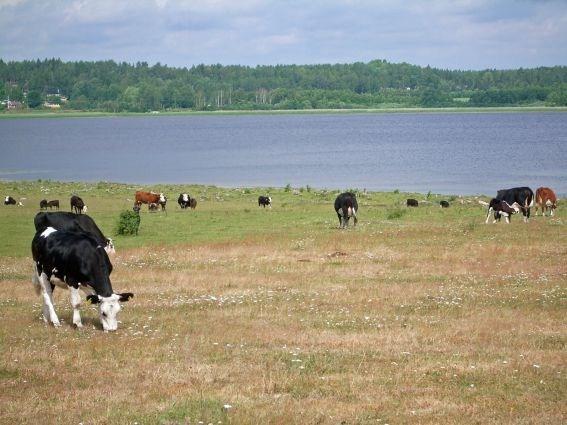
{"x":125,"y":296}
{"x":93,"y":298}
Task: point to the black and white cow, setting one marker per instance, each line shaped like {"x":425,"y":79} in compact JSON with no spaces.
{"x":523,"y":196}
{"x":8,"y":200}
{"x":184,"y":200}
{"x":73,"y":223}
{"x":444,"y":204}
{"x":264,"y":201}
{"x":346,"y":207}
{"x":77,"y":205}
{"x":78,"y":261}
{"x":501,"y":208}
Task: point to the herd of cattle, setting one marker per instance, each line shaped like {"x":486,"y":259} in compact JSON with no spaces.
{"x":70,"y":251}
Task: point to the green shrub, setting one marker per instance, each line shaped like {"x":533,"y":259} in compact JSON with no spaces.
{"x":287,"y":187}
{"x":128,"y":223}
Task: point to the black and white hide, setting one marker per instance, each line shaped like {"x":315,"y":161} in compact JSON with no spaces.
{"x":72,"y":223}
{"x":501,"y":208}
{"x":77,"y":261}
{"x":264,"y":201}
{"x":346,"y":207}
{"x":184,"y":201}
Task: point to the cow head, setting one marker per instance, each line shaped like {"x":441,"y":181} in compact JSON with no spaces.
{"x":109,"y":308}
{"x":551,"y":205}
{"x":162,"y":199}
{"x":85,"y":209}
{"x":516,"y":207}
{"x":109,"y":248}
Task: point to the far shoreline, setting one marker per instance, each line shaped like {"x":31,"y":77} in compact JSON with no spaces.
{"x":464,"y":110}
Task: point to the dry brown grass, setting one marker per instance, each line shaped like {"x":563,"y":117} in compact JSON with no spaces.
{"x":410,"y":323}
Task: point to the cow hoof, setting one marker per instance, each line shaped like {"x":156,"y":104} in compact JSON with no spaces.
{"x":78,"y":325}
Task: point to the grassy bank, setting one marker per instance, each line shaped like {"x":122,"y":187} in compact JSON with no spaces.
{"x":80,"y":114}
{"x":251,"y":315}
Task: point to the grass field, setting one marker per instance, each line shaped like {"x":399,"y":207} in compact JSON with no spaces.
{"x":245,"y":315}
{"x":387,"y":109}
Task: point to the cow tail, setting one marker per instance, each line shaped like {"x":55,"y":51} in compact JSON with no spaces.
{"x":35,"y":281}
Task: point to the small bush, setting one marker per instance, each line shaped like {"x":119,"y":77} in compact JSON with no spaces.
{"x":128,"y":223}
{"x":287,"y":187}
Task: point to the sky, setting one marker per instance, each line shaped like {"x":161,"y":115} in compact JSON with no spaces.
{"x":447,"y":34}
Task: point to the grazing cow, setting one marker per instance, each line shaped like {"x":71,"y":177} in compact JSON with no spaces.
{"x":265,"y":200}
{"x":53,"y":204}
{"x":43,"y":204}
{"x":77,"y":260}
{"x":77,"y":205}
{"x":545,"y":199}
{"x":150,"y":198}
{"x":8,"y":200}
{"x":346,"y":207}
{"x":412,"y":203}
{"x":501,"y":208}
{"x":184,"y":201}
{"x":74,"y":223}
{"x":523,"y":196}
{"x":444,"y":204}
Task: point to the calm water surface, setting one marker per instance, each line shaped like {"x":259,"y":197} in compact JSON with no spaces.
{"x":442,"y":153}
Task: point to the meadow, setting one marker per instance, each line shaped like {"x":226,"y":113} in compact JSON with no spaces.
{"x":246,"y":315}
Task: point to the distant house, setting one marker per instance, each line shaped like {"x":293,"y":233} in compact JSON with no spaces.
{"x":51,"y":105}
{"x":53,"y":96}
{"x":11,"y":104}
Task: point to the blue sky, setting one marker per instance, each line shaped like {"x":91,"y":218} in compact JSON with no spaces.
{"x":451,"y":34}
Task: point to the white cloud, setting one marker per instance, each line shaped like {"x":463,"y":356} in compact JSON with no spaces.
{"x":466,"y":34}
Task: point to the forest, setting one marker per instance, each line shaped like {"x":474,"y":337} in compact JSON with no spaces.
{"x":140,"y":87}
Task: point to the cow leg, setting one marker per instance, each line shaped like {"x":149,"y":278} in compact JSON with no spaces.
{"x":490,"y":211}
{"x":507,"y":220}
{"x":47,"y":294}
{"x":76,"y":304}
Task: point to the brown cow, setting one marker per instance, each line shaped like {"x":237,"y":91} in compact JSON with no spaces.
{"x":150,"y":198}
{"x":545,"y":199}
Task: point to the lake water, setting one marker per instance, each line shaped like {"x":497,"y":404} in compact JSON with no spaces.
{"x":442,"y":153}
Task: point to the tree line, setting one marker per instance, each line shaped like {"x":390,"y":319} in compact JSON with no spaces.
{"x":139,"y":87}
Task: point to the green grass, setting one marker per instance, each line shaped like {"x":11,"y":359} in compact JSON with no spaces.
{"x":273,"y":316}
{"x":222,"y":214}
{"x":386,"y":109}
